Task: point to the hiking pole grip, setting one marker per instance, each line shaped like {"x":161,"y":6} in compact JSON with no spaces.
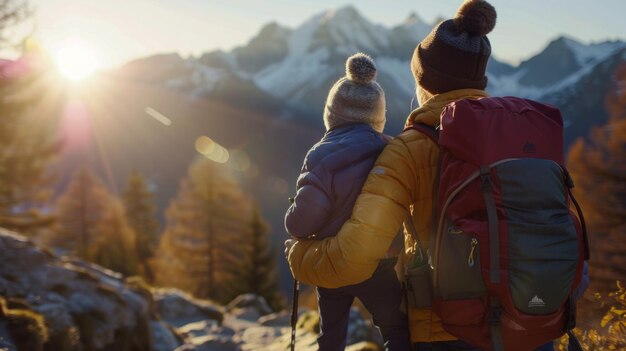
{"x":294,"y":313}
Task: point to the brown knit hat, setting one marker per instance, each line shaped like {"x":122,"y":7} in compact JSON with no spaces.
{"x":455,"y":54}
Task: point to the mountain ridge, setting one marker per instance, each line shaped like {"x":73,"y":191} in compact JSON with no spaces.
{"x":266,"y":97}
{"x":291,"y":69}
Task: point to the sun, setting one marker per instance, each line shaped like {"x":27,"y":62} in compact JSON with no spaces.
{"x":76,"y":58}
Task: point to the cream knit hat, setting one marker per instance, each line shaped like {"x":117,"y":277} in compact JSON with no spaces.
{"x":357,"y":97}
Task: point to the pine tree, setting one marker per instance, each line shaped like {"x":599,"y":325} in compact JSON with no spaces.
{"x":27,"y":131}
{"x":91,"y":225}
{"x":598,"y":167}
{"x":79,"y":210}
{"x":114,"y":246}
{"x":256,"y":269}
{"x":141,"y":214}
{"x":203,"y":225}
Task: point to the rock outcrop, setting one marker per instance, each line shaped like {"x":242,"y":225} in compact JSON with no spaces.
{"x":50,"y":303}
{"x":84,"y":306}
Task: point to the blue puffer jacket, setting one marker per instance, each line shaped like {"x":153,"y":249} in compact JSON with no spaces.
{"x":332,"y":176}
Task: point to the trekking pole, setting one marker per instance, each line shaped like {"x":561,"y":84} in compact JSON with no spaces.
{"x":294,"y":313}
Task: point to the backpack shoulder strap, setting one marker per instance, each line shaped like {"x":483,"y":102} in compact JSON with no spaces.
{"x":570,"y":185}
{"x":431,"y":132}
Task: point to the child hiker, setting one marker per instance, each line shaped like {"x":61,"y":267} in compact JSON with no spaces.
{"x":333,"y":173}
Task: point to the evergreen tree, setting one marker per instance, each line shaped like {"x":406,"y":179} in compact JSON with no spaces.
{"x":27,"y":130}
{"x":598,"y":167}
{"x":201,"y":239}
{"x":91,"y":225}
{"x":256,"y":269}
{"x":141,"y":214}
{"x":115,"y":242}
{"x":79,"y":210}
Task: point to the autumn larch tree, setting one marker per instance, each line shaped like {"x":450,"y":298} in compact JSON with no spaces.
{"x":203,"y":229}
{"x":598,"y":167}
{"x":141,"y":214}
{"x":255,"y":271}
{"x":91,"y":225}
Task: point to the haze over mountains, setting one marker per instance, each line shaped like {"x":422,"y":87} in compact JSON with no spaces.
{"x":288,"y":72}
{"x":265,"y":99}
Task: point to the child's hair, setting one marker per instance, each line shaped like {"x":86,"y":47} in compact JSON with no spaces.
{"x":357,"y":97}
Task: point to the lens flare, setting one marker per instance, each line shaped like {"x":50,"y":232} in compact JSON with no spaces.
{"x":212,"y":150}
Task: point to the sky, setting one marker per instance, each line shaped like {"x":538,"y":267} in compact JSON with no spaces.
{"x":120,"y":30}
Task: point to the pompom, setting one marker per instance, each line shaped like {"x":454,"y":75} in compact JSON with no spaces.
{"x":477,"y":17}
{"x":360,"y":68}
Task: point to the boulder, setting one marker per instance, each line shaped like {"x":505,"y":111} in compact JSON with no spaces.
{"x":248,"y":301}
{"x":84,"y":306}
{"x":179,"y":308}
{"x":279,"y":319}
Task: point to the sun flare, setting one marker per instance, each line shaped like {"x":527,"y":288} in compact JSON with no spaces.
{"x":77,"y":59}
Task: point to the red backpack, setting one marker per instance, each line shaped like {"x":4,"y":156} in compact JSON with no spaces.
{"x":508,"y":251}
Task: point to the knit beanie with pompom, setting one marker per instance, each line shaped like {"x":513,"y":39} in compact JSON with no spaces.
{"x":357,"y":97}
{"x":455,"y":54}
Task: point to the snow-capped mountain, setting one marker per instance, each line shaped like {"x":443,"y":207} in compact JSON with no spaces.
{"x":562,"y":63}
{"x":291,"y":70}
{"x":288,"y":72}
{"x":266,"y":98}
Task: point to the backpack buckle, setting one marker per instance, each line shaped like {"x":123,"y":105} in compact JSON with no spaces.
{"x":485,"y":178}
{"x":495,"y":312}
{"x":494,"y":316}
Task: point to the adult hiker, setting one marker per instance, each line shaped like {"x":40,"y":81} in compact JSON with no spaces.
{"x":448,"y":66}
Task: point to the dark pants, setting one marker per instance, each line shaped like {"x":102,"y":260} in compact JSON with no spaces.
{"x":459,"y":345}
{"x":381,"y":295}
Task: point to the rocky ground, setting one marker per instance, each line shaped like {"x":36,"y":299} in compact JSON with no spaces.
{"x":63,"y":304}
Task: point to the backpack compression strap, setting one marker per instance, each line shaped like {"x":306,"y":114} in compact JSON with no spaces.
{"x":431,"y":132}
{"x":570,"y":185}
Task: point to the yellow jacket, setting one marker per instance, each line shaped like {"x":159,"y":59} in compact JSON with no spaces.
{"x":401,"y":183}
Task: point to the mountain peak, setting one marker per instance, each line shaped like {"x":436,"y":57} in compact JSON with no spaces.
{"x":564,"y":42}
{"x":584,"y":53}
{"x":413,"y":19}
{"x":414,"y":27}
{"x":348,"y":11}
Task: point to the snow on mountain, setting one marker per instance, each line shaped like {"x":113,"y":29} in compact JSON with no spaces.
{"x":399,"y":71}
{"x":293,"y":69}
{"x":289,"y":75}
{"x":201,"y":78}
{"x":346,"y":29}
{"x":596,"y":52}
{"x":562,"y":64}
{"x":415,"y":26}
{"x":316,"y":49}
